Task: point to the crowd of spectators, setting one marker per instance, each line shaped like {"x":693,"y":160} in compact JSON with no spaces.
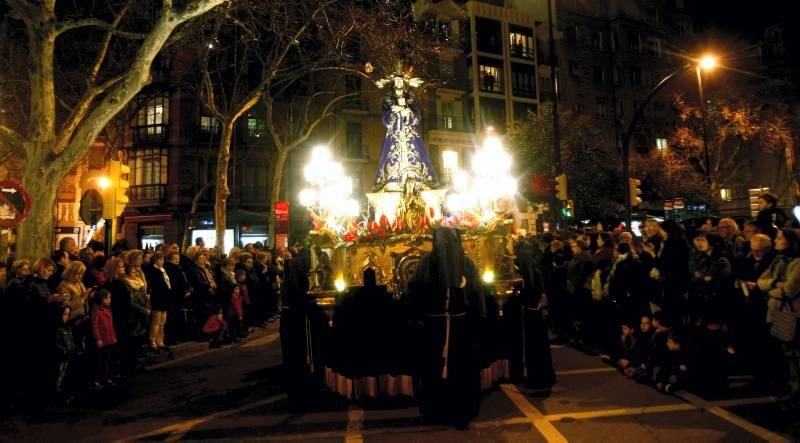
{"x":80,"y":321}
{"x":682,"y":309}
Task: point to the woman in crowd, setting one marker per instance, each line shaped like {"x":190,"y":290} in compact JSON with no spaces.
{"x":205,"y":286}
{"x":121,"y":307}
{"x":781,"y":282}
{"x":160,"y":299}
{"x":136,"y":282}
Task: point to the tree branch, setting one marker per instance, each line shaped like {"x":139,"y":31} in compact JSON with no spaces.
{"x":69,"y":25}
{"x":14,"y":141}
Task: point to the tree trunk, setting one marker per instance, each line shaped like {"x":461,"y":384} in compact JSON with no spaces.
{"x":222,"y":193}
{"x":195,"y":202}
{"x":277,"y":179}
{"x":35,"y":234}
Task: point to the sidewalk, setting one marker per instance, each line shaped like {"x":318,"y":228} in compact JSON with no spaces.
{"x":192,"y":349}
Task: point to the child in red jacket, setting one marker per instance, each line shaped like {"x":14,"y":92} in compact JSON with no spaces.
{"x":215,"y":328}
{"x":105,"y":337}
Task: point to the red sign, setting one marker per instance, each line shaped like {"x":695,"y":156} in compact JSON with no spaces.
{"x":667,"y":205}
{"x":281,"y":210}
{"x":679,"y":203}
{"x":15,"y":203}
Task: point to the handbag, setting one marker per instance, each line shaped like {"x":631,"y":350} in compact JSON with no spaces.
{"x":784,"y":323}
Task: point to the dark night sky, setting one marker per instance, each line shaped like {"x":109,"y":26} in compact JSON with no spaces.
{"x":740,"y":16}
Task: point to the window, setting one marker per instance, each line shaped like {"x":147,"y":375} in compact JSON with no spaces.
{"x":521,"y":110}
{"x":776,"y":48}
{"x":654,"y":46}
{"x":602,"y":106}
{"x":575,"y":69}
{"x":571,"y":34}
{"x":634,"y":41}
{"x":493,"y":113}
{"x":254,"y":182}
{"x":614,"y":41}
{"x":598,"y":75}
{"x":636,"y":76}
{"x":726,"y":194}
{"x":523,"y":80}
{"x":489,"y":37}
{"x":597,"y":40}
{"x":491,"y":78}
{"x":255,"y":127}
{"x":154,"y":114}
{"x":520,"y":41}
{"x":148,"y":174}
{"x":354,"y":146}
{"x":208,"y":124}
{"x":448,"y":119}
{"x":681,"y":31}
{"x":621,"y":109}
{"x":661,"y":144}
{"x":617,"y":75}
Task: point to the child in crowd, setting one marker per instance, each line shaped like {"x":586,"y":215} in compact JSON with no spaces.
{"x":236,"y":314}
{"x":675,"y":373}
{"x":241,"y":280}
{"x":625,"y":356}
{"x":216,"y":329}
{"x":65,"y":347}
{"x":656,"y":357}
{"x":643,"y":343}
{"x":105,"y":337}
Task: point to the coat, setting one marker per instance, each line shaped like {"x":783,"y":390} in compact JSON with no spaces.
{"x":139,"y":314}
{"x":65,"y":343}
{"x":75,"y":296}
{"x":103,"y":325}
{"x":214,"y":324}
{"x":784,"y":270}
{"x":160,"y":289}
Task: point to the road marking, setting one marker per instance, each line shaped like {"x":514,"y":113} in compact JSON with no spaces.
{"x":177,"y":430}
{"x":743,"y":401}
{"x":730,"y":417}
{"x":620,"y":412}
{"x":533,"y":415}
{"x":262,"y":341}
{"x":355,"y":423}
{"x":586,"y":371}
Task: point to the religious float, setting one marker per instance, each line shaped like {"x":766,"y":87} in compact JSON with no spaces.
{"x":392,"y":235}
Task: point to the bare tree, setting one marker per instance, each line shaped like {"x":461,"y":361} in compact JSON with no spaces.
{"x":49,"y":143}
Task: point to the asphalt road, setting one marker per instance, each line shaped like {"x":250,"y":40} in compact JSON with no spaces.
{"x":235,"y":394}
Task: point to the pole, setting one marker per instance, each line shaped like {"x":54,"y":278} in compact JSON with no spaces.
{"x":109,"y":235}
{"x":555,"y":204}
{"x":703,"y":121}
{"x":626,"y":137}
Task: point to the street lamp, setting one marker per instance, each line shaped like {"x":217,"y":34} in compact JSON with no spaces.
{"x":706,"y":63}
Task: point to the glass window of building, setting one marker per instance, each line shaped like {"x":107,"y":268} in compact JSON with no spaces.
{"x":448,"y":119}
{"x":571,"y":34}
{"x":601,"y":106}
{"x":575,"y":69}
{"x":614,"y":41}
{"x":521,"y":41}
{"x":521,"y":110}
{"x":491,"y":77}
{"x":255,"y":126}
{"x":654,"y":46}
{"x":209,"y":124}
{"x":726,"y":194}
{"x":523,"y":80}
{"x":618,"y":75}
{"x":634,"y":41}
{"x":754,"y":193}
{"x":354,"y":148}
{"x":489,"y":37}
{"x":598,"y":75}
{"x":148,"y":174}
{"x":577,"y":105}
{"x":661,"y":144}
{"x":597,"y":40}
{"x":154,"y":114}
{"x":493,"y":113}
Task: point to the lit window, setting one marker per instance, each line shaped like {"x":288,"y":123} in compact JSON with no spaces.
{"x":208,"y":124}
{"x":255,"y":127}
{"x":491,"y":78}
{"x":661,"y":144}
{"x":754,"y":193}
{"x":154,"y":114}
{"x":726,"y":194}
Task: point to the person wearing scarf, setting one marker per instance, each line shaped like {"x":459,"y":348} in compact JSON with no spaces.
{"x":447,"y":298}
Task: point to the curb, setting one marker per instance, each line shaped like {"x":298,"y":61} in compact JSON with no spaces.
{"x":192,"y":349}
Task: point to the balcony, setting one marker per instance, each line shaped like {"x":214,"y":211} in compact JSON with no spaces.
{"x":526,"y":92}
{"x":146,"y":192}
{"x":151,"y":134}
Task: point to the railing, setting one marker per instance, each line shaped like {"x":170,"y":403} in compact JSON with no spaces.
{"x":520,"y":91}
{"x":491,"y":86}
{"x":522,"y":52}
{"x":147,"y":192}
{"x":150,"y":134}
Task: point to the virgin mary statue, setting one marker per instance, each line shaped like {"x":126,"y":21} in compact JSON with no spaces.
{"x":403,"y":155}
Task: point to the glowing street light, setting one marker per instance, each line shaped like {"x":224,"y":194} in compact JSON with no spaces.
{"x":707,"y":62}
{"x":103,"y":182}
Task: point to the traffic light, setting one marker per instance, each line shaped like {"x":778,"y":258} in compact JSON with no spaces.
{"x":561,"y":187}
{"x":568,"y":210}
{"x":634,"y":191}
{"x":114,"y":198}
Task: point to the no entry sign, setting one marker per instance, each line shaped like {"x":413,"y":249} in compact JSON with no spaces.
{"x":15,"y":203}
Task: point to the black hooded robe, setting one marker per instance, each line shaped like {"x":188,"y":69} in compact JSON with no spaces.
{"x":447,"y":298}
